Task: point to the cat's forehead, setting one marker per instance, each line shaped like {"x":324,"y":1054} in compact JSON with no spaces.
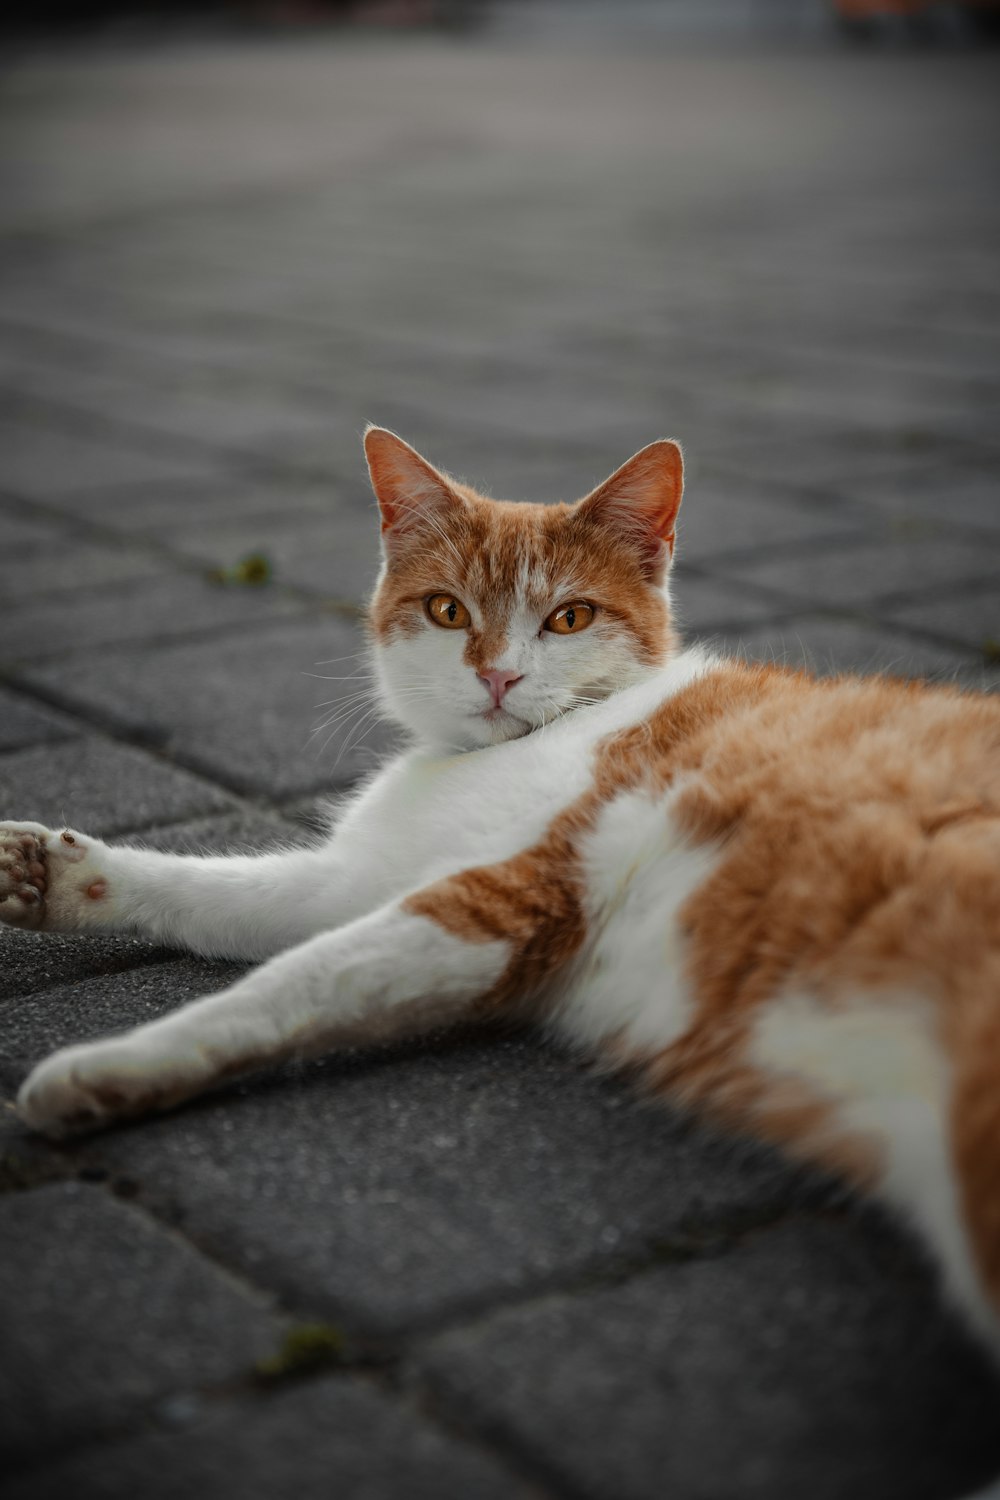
{"x":498,"y":550}
{"x":514,"y":550}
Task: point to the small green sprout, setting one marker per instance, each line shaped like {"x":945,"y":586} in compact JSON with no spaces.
{"x":250,"y":572}
{"x":305,"y":1349}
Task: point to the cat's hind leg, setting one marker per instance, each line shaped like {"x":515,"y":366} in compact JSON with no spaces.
{"x":400,"y":970}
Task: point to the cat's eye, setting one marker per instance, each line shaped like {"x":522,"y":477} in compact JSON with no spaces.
{"x":570,"y":619}
{"x":448,"y":612}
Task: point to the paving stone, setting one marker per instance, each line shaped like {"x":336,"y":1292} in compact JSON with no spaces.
{"x":23,"y":722}
{"x":32,"y":961}
{"x":69,"y":566}
{"x":947,"y":494}
{"x":390,"y":1190}
{"x":837,"y":467}
{"x":839,"y":1374}
{"x":22,"y":532}
{"x":103,"y":1312}
{"x":101,"y":787}
{"x":173,"y":604}
{"x":171,"y":510}
{"x":827,"y":645}
{"x":249,"y":722}
{"x":970,"y":618}
{"x":335,"y":556}
{"x":702,"y":604}
{"x":717,"y":518}
{"x":188,"y":404}
{"x":44,"y":462}
{"x":841,"y":576}
{"x":335,"y":1436}
{"x":41,"y":1021}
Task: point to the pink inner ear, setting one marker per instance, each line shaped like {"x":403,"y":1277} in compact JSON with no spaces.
{"x":641,"y":500}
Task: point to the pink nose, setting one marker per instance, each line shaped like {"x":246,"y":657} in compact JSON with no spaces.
{"x":498,"y":681}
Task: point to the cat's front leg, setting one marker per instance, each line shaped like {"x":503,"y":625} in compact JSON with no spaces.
{"x":226,"y":906}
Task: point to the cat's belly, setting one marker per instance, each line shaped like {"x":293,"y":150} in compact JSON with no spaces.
{"x":628,"y":985}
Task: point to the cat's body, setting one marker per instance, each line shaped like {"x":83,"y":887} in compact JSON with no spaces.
{"x":779,"y":899}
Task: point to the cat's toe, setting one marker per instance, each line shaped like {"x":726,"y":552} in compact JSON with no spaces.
{"x":87,"y":1087}
{"x":23,"y":874}
{"x":65,"y":1095}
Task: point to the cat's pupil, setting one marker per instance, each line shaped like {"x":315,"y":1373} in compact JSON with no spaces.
{"x":452,"y":611}
{"x":571,"y":618}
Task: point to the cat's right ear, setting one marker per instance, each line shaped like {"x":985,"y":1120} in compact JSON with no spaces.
{"x":408,"y":489}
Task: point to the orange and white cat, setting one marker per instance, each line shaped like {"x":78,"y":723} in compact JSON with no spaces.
{"x":776,"y":898}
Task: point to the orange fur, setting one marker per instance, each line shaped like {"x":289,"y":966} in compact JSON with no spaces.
{"x":848,"y":861}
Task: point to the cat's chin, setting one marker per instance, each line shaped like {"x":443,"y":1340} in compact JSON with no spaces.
{"x":482,"y":730}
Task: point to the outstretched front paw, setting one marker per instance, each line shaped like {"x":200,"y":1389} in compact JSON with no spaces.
{"x":51,"y":881}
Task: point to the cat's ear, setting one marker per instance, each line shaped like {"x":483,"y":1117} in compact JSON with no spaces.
{"x":408,"y":489}
{"x":639,"y":503}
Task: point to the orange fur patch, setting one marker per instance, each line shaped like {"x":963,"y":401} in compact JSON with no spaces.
{"x":848,"y":864}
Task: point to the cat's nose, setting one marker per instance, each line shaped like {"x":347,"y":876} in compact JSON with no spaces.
{"x":499,"y":682}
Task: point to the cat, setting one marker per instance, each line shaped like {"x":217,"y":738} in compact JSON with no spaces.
{"x":775,"y":898}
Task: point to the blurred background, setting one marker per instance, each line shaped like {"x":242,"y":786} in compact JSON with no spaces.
{"x":529,"y":236}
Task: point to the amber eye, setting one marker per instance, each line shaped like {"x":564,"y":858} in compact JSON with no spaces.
{"x":570,"y":619}
{"x":448,"y":612}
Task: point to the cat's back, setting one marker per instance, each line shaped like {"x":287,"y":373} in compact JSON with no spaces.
{"x":855,"y":824}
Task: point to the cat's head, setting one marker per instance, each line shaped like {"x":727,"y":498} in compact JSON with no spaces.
{"x":490,"y":619}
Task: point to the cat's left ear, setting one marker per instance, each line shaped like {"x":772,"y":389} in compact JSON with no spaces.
{"x":640,"y":503}
{"x":408,"y":489}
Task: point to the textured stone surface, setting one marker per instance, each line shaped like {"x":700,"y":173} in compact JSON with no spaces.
{"x":23,"y":722}
{"x":32,"y":961}
{"x":969,"y":618}
{"x":67,"y":566}
{"x":677,"y":1381}
{"x":334,"y":558}
{"x":719,"y":518}
{"x":703,"y":604}
{"x":827,"y":645}
{"x":174,"y":511}
{"x":102,"y":1312}
{"x":79,"y":1010}
{"x":151,"y":610}
{"x":249,"y":722}
{"x":861,"y":575}
{"x":332,"y":1437}
{"x":393,"y":1189}
{"x":42,"y":462}
{"x":101,"y":787}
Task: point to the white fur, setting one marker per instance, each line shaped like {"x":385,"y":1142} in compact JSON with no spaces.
{"x":638,"y":873}
{"x":877,"y":1059}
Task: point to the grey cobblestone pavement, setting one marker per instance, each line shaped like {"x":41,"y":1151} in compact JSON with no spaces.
{"x":466,"y":1268}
